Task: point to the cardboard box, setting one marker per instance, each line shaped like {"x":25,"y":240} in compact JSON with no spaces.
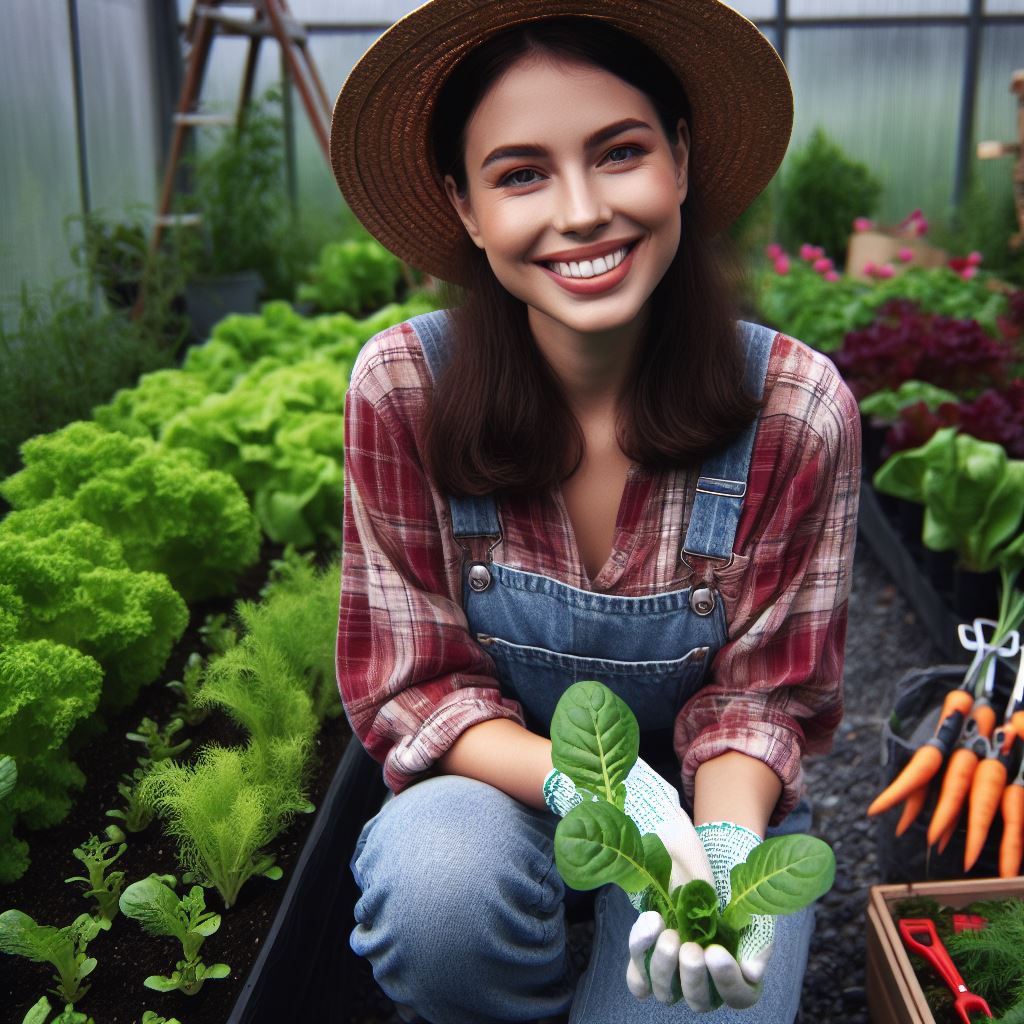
{"x":880,"y":247}
{"x":894,"y":994}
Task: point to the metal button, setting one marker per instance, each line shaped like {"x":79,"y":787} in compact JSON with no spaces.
{"x":702,"y":601}
{"x":479,"y":577}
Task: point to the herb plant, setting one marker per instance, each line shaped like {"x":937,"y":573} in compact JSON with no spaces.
{"x":155,"y":905}
{"x":187,"y":688}
{"x":158,"y":742}
{"x":65,"y":948}
{"x":595,"y":740}
{"x":40,"y":1014}
{"x":97,"y":855}
{"x":136,"y":813}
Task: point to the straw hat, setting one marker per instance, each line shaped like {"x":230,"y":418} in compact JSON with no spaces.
{"x":739,"y":93}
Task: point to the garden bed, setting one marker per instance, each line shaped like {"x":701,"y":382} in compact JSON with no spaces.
{"x":125,"y":955}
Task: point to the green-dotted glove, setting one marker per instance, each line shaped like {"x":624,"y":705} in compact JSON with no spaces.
{"x":706,"y":977}
{"x":653,"y":804}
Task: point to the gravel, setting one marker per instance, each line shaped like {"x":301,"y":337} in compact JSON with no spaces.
{"x":884,"y":640}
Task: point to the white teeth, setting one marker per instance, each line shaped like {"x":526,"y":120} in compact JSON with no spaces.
{"x":590,"y":268}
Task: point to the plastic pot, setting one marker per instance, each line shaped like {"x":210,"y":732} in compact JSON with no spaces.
{"x":208,"y":300}
{"x":305,"y":966}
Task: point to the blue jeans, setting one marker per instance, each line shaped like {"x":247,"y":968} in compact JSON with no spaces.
{"x":462,"y":917}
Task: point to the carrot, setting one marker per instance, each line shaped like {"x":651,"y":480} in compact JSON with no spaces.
{"x":1016,"y":723}
{"x":911,"y":809}
{"x":945,"y":838}
{"x":956,"y":700}
{"x":1011,"y":850}
{"x":986,"y":791}
{"x":955,"y":785}
{"x":918,"y":772}
{"x":985,"y":717}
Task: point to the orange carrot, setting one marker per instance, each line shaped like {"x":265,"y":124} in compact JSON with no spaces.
{"x":985,"y":717}
{"x":1011,"y":850}
{"x":956,"y":700}
{"x":986,"y":792}
{"x":922,"y":767}
{"x":945,"y":838}
{"x":955,"y":786}
{"x":911,"y":809}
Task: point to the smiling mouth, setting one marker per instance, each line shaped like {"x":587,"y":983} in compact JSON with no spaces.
{"x":593,"y":267}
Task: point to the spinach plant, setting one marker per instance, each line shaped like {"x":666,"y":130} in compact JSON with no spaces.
{"x":97,"y":855}
{"x":155,"y":905}
{"x":595,"y":740}
{"x":65,"y":948}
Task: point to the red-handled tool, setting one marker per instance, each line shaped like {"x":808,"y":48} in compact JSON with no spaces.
{"x":920,"y":936}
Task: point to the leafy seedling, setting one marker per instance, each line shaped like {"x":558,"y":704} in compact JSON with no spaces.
{"x":218,"y":634}
{"x":137,"y":813}
{"x":65,"y":948}
{"x":187,"y":688}
{"x":155,"y":905}
{"x":158,"y":742}
{"x":96,"y":854}
{"x":40,"y":1014}
{"x":595,"y":741}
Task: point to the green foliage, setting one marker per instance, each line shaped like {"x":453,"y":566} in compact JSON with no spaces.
{"x":226,"y":807}
{"x":594,"y":740}
{"x":159,"y":743}
{"x":40,"y":1014}
{"x":155,"y":905}
{"x":151,"y":1017}
{"x":187,"y":688}
{"x":823,"y":191}
{"x":97,"y":855}
{"x":76,"y":590}
{"x":65,"y":948}
{"x":352,"y":276}
{"x":886,"y":404}
{"x":136,"y":813}
{"x":218,"y":634}
{"x":141,"y":411}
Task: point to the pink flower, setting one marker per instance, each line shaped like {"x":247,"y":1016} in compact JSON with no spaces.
{"x":782,"y":264}
{"x":885,"y":271}
{"x":974,"y":259}
{"x":773,"y":251}
{"x":822,"y":264}
{"x":968,"y":272}
{"x":807,"y":252}
{"x":920,"y":226}
{"x":870,"y":268}
{"x":863,"y":224}
{"x":905,"y":255}
{"x":830,"y":275}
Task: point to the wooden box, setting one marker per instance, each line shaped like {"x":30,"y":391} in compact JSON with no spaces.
{"x":881,"y":247}
{"x":894,"y":995}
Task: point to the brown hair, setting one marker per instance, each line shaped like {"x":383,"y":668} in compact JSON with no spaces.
{"x":498,"y":420}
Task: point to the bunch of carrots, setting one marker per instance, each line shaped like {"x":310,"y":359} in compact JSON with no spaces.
{"x":984,"y":767}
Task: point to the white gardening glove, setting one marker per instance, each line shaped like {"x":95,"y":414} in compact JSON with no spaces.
{"x":653,"y":804}
{"x":704,"y":977}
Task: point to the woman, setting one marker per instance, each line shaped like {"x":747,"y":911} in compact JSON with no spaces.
{"x":585,"y":470}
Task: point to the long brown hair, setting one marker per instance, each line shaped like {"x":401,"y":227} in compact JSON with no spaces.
{"x":498,"y":420}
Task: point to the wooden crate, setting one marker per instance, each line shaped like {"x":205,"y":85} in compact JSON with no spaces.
{"x":894,"y":994}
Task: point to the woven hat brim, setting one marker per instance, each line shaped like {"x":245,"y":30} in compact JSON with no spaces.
{"x":742,"y":110}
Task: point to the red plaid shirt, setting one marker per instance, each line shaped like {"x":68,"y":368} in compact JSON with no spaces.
{"x":412,"y":677}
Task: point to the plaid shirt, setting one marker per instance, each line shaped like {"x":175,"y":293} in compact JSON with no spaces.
{"x":412,"y":678}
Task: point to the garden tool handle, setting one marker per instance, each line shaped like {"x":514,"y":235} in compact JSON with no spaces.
{"x":913,"y":930}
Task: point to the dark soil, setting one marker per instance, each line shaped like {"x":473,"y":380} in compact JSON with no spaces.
{"x":125,"y":954}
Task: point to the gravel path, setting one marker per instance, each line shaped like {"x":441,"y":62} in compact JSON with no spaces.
{"x":884,"y":640}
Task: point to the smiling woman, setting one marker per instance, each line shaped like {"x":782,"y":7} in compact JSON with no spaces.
{"x":585,"y":468}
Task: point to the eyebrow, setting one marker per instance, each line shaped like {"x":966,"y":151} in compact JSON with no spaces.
{"x":603,"y":135}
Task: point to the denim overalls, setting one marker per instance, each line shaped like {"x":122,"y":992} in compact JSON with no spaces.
{"x":452,"y":842}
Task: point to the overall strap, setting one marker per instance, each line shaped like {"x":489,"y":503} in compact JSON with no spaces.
{"x":723,"y":476}
{"x":471,"y":516}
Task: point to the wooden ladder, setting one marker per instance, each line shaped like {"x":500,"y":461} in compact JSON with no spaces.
{"x":208,"y":19}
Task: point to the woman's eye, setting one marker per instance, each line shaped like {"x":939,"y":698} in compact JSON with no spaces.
{"x":629,"y":152}
{"x":512,"y":178}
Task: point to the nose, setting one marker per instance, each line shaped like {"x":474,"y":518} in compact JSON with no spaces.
{"x":581,"y":206}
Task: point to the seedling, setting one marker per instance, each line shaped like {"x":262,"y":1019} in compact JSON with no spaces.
{"x":150,"y":1017}
{"x":95,"y":854}
{"x":187,"y":688}
{"x":62,"y":947}
{"x":40,"y":1014}
{"x":158,"y":742}
{"x":137,"y":813}
{"x":217,"y":634}
{"x":595,"y":740}
{"x":155,"y":905}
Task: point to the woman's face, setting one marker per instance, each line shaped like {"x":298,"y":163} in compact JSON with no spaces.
{"x":567,"y":164}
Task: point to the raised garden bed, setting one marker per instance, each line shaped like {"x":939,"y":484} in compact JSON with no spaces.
{"x":283,"y":975}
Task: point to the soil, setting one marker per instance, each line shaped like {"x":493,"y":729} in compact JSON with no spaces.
{"x":125,"y":954}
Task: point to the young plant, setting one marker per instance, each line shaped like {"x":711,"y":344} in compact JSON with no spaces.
{"x":595,"y":740}
{"x":218,"y":634}
{"x":136,"y":813}
{"x":150,"y":1017}
{"x":65,"y":948}
{"x":95,"y":854}
{"x":40,"y":1014}
{"x":156,"y":906}
{"x":157,"y":741}
{"x":187,"y":688}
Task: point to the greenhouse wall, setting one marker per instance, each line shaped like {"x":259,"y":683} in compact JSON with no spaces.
{"x":85,"y":115}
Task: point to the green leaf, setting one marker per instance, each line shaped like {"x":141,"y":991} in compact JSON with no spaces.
{"x":159,"y":983}
{"x":696,"y":905}
{"x":214,"y":971}
{"x":595,"y":844}
{"x":155,"y":907}
{"x":782,"y":875}
{"x":595,"y":739}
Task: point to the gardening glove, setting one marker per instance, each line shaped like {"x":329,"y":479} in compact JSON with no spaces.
{"x":653,"y":804}
{"x":705,"y":978}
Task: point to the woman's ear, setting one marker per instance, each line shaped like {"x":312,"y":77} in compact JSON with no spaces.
{"x":463,"y":209}
{"x":681,"y":155}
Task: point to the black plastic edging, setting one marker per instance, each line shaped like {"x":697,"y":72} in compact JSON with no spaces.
{"x":890,"y":550}
{"x":303,"y":969}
